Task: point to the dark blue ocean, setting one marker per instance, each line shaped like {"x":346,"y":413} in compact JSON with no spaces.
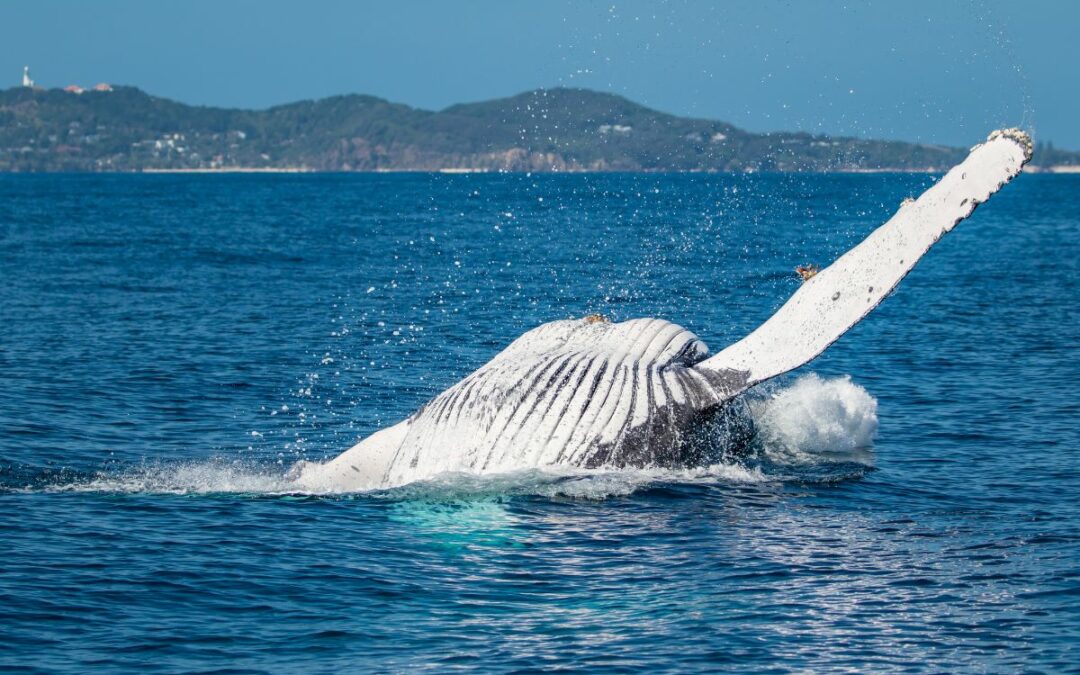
{"x":170,"y":345}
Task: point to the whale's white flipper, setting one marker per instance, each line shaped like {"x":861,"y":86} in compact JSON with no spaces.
{"x":838,"y":297}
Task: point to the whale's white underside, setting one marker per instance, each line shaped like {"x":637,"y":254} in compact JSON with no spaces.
{"x":597,"y":394}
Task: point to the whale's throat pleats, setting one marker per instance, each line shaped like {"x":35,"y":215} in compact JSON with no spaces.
{"x":568,"y":392}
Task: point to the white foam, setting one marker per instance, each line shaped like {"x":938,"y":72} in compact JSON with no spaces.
{"x":219,"y":476}
{"x":814,"y":418}
{"x":810,"y":420}
{"x":211,"y":476}
{"x":605,"y":484}
{"x":572,"y":482}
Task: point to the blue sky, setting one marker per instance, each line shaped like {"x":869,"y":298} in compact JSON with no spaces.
{"x":942,"y":71}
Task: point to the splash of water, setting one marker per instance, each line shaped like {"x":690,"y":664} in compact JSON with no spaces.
{"x":215,"y":475}
{"x":811,"y":421}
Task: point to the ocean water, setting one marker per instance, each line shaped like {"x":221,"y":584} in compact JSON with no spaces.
{"x":170,"y":345}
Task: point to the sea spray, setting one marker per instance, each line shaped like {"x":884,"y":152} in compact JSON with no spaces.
{"x":210,"y":476}
{"x":814,"y":418}
{"x":810,"y":421}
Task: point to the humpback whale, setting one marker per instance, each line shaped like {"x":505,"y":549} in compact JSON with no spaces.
{"x":590,"y":393}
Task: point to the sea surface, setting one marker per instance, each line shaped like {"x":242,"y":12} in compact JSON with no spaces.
{"x":171,"y":345}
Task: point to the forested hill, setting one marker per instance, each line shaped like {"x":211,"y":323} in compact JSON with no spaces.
{"x":127,"y":129}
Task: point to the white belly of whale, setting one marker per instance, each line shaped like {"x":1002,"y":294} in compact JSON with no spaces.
{"x":572,"y":393}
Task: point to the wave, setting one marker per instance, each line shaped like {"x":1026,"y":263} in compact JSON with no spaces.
{"x":813,"y":429}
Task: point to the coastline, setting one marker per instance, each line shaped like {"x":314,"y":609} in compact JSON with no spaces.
{"x":1056,"y":169}
{"x":230,"y":169}
{"x":1060,"y":169}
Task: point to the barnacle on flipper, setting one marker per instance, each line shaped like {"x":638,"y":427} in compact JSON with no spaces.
{"x":1022,"y":138}
{"x":807,"y":272}
{"x":1019,"y":136}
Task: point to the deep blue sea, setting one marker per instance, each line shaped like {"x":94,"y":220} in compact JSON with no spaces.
{"x":170,"y":345}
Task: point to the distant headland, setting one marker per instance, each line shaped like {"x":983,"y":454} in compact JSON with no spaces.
{"x":123,"y":129}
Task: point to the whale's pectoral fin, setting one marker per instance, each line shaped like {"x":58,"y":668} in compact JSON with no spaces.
{"x":360,"y":467}
{"x":836,"y":298}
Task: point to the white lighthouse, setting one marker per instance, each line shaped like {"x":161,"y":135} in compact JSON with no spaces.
{"x":26,"y":81}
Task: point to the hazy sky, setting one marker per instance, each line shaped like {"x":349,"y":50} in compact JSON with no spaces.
{"x":942,"y":71}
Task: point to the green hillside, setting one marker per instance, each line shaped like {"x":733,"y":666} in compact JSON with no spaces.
{"x":544,"y":130}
